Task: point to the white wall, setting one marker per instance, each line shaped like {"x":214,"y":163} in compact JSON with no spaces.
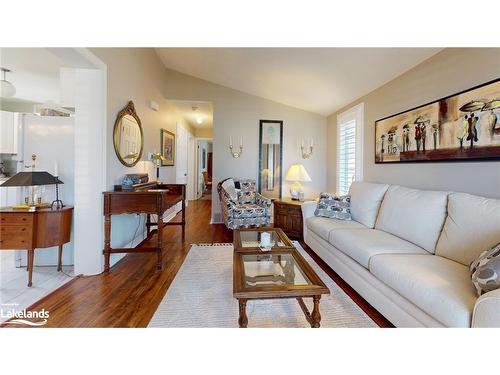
{"x":139,"y":75}
{"x":237,"y":114}
{"x":450,"y":71}
{"x":136,"y":74}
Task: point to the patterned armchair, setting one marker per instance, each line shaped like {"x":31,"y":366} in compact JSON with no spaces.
{"x":242,"y":206}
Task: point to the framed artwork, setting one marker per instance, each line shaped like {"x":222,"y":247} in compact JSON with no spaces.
{"x":167,"y":147}
{"x":460,"y":127}
{"x":270,"y":158}
{"x":203,"y":159}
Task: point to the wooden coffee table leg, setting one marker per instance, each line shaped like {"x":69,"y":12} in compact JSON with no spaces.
{"x":315,"y":315}
{"x":243,"y":319}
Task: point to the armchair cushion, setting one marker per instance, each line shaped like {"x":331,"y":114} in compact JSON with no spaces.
{"x":247,"y":191}
{"x":248,"y":210}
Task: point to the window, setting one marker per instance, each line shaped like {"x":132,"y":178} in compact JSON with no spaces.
{"x":349,"y":148}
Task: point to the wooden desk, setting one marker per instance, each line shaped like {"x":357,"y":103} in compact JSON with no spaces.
{"x":21,"y":229}
{"x":150,"y":200}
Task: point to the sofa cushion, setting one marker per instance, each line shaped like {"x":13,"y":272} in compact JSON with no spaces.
{"x":322,"y":226}
{"x":472,"y":226}
{"x":438,"y":286}
{"x":362,"y":244}
{"x":414,"y":215}
{"x":365,"y":201}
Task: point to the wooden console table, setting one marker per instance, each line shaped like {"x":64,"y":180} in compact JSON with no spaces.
{"x":152,"y":199}
{"x":21,"y":229}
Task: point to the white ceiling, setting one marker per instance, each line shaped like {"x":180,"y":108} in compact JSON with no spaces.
{"x":320,"y":80}
{"x":203,"y":111}
{"x":35,"y":73}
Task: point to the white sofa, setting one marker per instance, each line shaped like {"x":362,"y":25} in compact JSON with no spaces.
{"x":407,"y":252}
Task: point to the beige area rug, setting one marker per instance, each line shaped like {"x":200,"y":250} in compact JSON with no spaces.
{"x":201,"y":295}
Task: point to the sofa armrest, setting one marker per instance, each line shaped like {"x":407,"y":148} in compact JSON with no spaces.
{"x":308,"y":209}
{"x":487,"y":310}
{"x":262,"y":201}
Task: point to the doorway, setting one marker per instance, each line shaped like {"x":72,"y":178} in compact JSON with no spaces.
{"x":194,"y":165}
{"x":204,"y":167}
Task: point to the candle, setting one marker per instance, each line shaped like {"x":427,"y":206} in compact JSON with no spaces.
{"x":56,"y":169}
{"x":312,"y":142}
{"x":241,"y":141}
{"x":230,"y":141}
{"x":302,"y":142}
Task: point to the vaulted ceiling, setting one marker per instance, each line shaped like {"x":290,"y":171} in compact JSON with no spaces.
{"x":320,"y":80}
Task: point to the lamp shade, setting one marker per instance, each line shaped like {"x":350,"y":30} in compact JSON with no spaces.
{"x":31,"y":179}
{"x":297,"y":172}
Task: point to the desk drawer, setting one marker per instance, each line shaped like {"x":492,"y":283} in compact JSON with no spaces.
{"x":15,"y":218}
{"x":16,"y":237}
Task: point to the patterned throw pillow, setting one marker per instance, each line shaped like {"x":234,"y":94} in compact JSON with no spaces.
{"x":332,"y":206}
{"x":485,"y":270}
{"x":228,"y":186}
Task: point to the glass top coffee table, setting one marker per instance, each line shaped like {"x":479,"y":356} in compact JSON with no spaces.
{"x":280,"y":272}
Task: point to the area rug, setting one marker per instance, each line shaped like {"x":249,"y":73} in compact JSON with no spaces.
{"x":201,"y":295}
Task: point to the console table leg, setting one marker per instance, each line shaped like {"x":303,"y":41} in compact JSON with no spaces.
{"x":315,"y":315}
{"x":183,"y":218}
{"x":107,"y":242}
{"x":148,"y":224}
{"x":160,"y":242}
{"x":31,"y":258}
{"x":59,"y":259}
{"x":243,"y":319}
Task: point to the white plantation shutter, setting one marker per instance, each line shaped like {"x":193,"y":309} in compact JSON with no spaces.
{"x":349,"y":148}
{"x":346,"y":165}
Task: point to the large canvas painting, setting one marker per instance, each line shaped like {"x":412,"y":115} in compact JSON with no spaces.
{"x":464,"y":126}
{"x":167,"y":147}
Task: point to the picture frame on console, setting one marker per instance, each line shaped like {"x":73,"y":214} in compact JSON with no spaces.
{"x":460,"y":127}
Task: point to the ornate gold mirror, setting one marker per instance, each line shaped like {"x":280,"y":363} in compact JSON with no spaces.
{"x":128,"y":138}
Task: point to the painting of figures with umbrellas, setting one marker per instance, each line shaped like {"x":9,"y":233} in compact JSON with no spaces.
{"x":463,"y":126}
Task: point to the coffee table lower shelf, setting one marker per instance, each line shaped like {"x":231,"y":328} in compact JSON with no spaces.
{"x":313,"y":318}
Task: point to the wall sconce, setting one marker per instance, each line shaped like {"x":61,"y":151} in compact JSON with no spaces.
{"x":233,"y":153}
{"x":308,"y":151}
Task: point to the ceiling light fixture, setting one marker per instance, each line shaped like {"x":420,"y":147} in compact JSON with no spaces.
{"x":7,"y":89}
{"x":199,"y":120}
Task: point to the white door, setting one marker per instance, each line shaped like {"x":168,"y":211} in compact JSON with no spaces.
{"x":191,"y":183}
{"x":182,"y":156}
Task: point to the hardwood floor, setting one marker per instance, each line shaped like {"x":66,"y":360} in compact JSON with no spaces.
{"x":129,"y":295}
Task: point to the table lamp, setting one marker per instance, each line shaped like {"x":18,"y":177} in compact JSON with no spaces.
{"x":33,"y":179}
{"x":157,"y":159}
{"x":297,"y":174}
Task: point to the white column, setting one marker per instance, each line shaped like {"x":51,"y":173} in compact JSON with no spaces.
{"x":90,"y":169}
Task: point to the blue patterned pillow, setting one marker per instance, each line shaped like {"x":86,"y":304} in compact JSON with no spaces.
{"x":335,"y":207}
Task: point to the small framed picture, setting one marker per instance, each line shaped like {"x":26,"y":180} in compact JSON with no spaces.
{"x":167,"y":147}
